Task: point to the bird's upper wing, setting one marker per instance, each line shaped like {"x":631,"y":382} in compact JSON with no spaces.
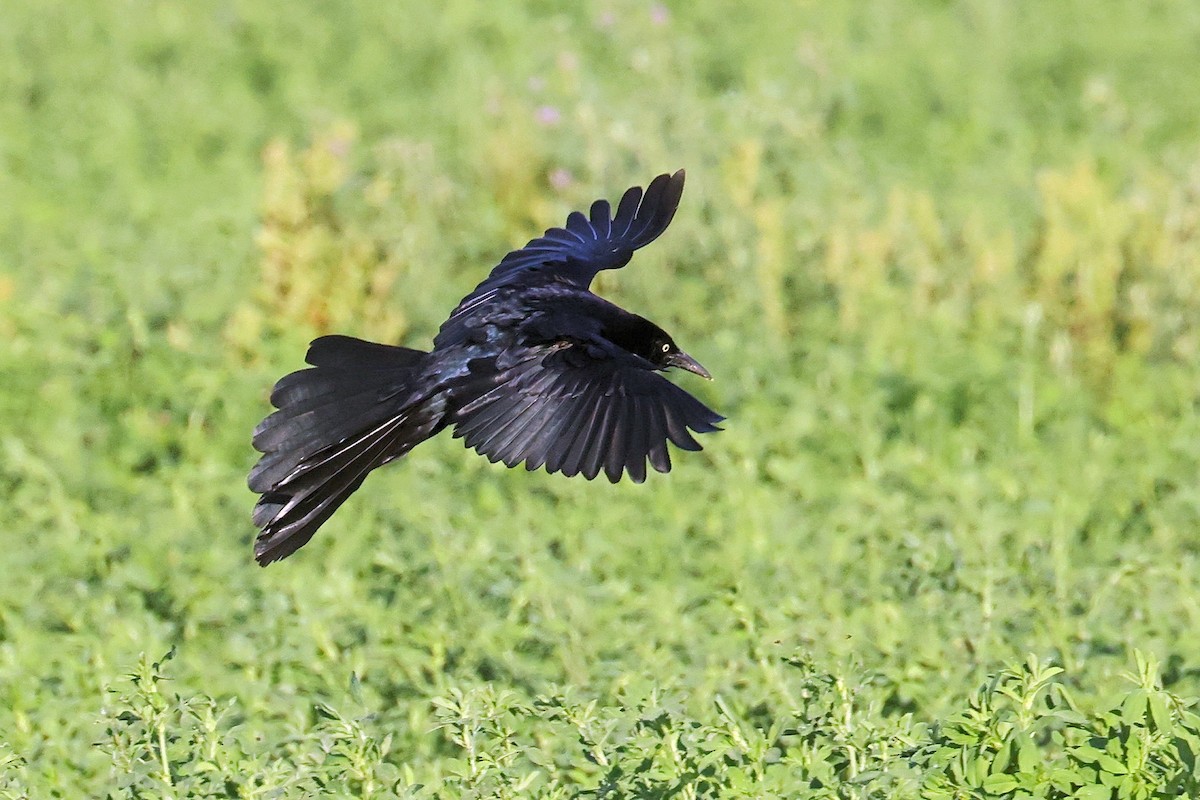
{"x":586,"y":245}
{"x":601,"y":240}
{"x":581,"y":408}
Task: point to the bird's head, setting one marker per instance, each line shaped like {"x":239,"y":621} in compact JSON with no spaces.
{"x":643,"y":338}
{"x":662,"y":352}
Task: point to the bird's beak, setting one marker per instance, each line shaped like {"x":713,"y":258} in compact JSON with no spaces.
{"x":684,"y":361}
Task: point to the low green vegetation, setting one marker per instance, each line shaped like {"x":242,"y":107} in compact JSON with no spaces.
{"x":942,"y":258}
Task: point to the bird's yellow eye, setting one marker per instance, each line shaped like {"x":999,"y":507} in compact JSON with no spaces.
{"x":666,"y":347}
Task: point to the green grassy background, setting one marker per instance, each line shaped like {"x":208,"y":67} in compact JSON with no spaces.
{"x":943,"y":259}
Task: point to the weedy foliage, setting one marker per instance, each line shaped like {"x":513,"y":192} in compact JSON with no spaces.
{"x":1020,"y":736}
{"x":943,"y":260}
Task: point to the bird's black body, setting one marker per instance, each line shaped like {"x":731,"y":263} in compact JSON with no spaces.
{"x":530,"y":367}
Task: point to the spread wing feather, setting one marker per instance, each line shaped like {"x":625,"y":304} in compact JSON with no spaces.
{"x":576,"y":252}
{"x":581,"y":412}
{"x":600,"y":240}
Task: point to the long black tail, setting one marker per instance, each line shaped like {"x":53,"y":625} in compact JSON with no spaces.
{"x":355,"y":410}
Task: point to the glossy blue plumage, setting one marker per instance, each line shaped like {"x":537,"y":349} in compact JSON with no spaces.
{"x":531,"y":367}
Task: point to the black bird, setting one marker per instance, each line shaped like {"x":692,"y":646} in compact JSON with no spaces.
{"x":531,"y":366}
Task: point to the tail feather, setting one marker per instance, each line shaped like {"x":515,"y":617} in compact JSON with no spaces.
{"x":292,"y":512}
{"x":346,"y":352}
{"x":356,"y":410}
{"x":297,"y":431}
{"x":342,"y":354}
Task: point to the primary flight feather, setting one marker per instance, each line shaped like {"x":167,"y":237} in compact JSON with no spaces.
{"x":531,"y":367}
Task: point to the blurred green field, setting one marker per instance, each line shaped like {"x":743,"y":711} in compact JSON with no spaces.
{"x":943,"y":259}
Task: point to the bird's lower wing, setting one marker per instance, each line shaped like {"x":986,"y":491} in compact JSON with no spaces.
{"x":576,"y":414}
